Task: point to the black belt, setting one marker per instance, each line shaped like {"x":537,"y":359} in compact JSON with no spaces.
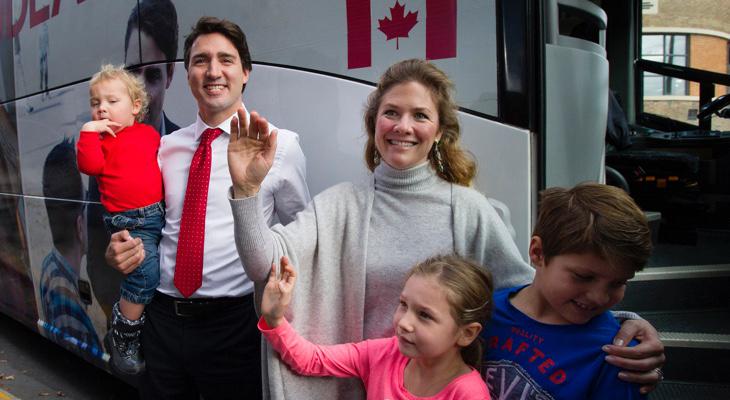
{"x":199,"y":306}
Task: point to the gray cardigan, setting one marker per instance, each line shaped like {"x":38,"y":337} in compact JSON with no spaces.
{"x":326,"y":243}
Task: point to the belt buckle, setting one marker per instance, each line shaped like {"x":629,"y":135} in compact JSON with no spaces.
{"x":180,"y":313}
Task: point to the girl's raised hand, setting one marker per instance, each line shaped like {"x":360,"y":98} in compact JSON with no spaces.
{"x":277,"y":293}
{"x":251,"y":152}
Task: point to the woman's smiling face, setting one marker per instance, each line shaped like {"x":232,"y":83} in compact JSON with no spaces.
{"x":406,"y":125}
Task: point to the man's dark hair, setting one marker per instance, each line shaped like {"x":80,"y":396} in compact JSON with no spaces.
{"x":158,"y":19}
{"x":228,"y":29}
{"x":61,"y":183}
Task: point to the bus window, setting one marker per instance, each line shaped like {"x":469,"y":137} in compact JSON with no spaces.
{"x":675,"y":34}
{"x":678,"y":166}
{"x":669,"y":66}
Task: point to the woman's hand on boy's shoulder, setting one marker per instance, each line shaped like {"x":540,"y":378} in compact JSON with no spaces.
{"x":102,"y":126}
{"x":642,"y":363}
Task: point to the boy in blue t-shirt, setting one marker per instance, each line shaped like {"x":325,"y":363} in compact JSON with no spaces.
{"x":544,"y":340}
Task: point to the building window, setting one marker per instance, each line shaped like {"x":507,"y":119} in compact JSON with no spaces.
{"x":669,"y":49}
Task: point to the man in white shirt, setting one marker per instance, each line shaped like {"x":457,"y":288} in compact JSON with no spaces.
{"x":206,"y":343}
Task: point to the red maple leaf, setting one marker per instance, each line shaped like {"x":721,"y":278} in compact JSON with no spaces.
{"x":399,"y":25}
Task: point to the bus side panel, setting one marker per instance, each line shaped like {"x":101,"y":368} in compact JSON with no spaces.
{"x":56,"y":220}
{"x":325,"y":111}
{"x":345,"y":38}
{"x":7,"y":76}
{"x":503,"y":160}
{"x":327,"y":114}
{"x":17,"y":297}
{"x":576,"y":97}
{"x":64,"y":41}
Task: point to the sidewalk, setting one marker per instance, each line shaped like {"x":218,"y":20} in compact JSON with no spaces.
{"x":33,"y":368}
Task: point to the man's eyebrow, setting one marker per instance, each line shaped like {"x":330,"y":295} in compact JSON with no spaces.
{"x":225,"y":54}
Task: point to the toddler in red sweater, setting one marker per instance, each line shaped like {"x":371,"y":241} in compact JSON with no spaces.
{"x":121,"y":153}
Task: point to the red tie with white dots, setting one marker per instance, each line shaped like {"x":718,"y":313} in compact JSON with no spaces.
{"x":189,"y":260}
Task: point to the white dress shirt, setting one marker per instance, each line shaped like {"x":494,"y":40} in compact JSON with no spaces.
{"x":283,"y":192}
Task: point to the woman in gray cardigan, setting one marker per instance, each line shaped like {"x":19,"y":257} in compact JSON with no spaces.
{"x":354,"y":244}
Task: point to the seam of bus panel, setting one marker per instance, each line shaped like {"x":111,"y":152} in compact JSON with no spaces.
{"x":47,"y":198}
{"x":368,"y":83}
{"x":268,"y":64}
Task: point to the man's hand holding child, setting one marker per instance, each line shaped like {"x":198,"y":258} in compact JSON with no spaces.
{"x":124,"y":253}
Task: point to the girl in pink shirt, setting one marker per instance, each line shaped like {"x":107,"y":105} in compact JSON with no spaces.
{"x":435,"y":353}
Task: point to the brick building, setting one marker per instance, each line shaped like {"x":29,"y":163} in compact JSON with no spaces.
{"x":692,"y":33}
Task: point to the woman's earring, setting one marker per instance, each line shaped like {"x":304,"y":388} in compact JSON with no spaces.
{"x":376,"y":157}
{"x":437,"y":156}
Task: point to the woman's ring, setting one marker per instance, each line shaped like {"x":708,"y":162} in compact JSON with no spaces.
{"x":659,"y":373}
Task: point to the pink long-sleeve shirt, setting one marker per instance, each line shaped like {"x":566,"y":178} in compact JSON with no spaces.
{"x":377,"y":362}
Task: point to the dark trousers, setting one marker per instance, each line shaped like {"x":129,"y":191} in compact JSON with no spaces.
{"x":210,"y":349}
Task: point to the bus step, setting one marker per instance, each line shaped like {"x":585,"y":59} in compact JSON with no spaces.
{"x":683,"y":272}
{"x":677,"y":390}
{"x":696,"y":340}
{"x":703,"y":323}
{"x":697,"y":364}
{"x":677,"y":288}
{"x":697,"y":344}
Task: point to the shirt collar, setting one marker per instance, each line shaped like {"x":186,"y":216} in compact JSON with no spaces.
{"x":225,"y":126}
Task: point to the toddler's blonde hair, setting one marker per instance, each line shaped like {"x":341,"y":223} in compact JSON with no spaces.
{"x":134,"y":85}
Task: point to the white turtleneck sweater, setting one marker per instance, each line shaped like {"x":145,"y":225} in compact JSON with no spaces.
{"x":411,"y":221}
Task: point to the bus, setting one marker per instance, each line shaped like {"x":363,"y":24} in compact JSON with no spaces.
{"x":539,"y":84}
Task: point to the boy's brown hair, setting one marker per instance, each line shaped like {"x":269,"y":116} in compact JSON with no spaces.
{"x":594,"y":218}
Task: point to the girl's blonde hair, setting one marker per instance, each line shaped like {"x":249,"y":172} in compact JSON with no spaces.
{"x":468,"y":288}
{"x":458,"y":166}
{"x":134,"y":85}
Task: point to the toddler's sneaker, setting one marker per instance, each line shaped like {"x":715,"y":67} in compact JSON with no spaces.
{"x":123,"y":343}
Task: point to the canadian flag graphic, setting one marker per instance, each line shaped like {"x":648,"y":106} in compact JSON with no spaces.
{"x":440,"y":19}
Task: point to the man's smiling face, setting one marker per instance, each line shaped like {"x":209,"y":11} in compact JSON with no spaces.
{"x":216,"y":77}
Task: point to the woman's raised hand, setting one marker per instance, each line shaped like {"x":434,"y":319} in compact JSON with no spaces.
{"x":251,"y":152}
{"x":277,"y":293}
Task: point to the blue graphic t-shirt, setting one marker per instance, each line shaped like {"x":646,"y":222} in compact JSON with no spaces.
{"x":528,"y":360}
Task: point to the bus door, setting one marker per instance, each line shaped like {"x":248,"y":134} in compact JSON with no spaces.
{"x":670,"y":72}
{"x":576,"y":92}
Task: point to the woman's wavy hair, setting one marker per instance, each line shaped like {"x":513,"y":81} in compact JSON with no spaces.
{"x":469,"y":288}
{"x":458,"y":165}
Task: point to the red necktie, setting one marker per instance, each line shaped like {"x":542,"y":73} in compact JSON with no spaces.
{"x":189,"y":260}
